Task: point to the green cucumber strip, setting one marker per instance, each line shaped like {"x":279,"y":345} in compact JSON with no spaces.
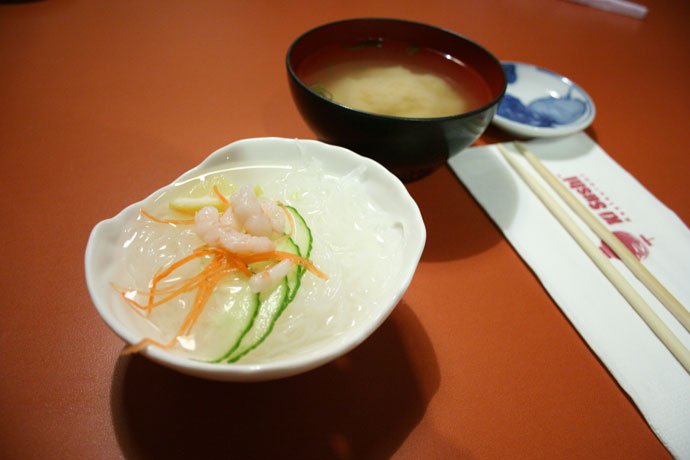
{"x":272,"y":303}
{"x":240,"y":318}
{"x":302,"y":235}
{"x":303,"y":239}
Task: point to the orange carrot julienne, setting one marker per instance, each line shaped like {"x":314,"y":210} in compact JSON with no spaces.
{"x":198,"y":252}
{"x":289,"y":216}
{"x":185,"y":286}
{"x":141,"y":344}
{"x":200,"y":302}
{"x":221,"y":197}
{"x":222,"y":262}
{"x":280,"y":255}
{"x":239,"y":263}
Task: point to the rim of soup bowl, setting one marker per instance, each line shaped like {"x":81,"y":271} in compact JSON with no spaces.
{"x":455,"y":35}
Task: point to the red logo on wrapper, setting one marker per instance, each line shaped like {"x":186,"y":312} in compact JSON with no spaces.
{"x":610,"y":214}
{"x":638,"y":246}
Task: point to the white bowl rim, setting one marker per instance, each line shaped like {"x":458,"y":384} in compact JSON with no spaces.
{"x":264,"y":371}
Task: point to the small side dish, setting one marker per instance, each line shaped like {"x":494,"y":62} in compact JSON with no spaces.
{"x":270,"y":258}
{"x":541,"y":103}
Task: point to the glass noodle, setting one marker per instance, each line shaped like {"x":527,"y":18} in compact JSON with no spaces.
{"x":355,"y":244}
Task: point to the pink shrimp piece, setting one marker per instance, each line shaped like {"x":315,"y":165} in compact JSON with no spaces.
{"x":243,"y":243}
{"x":228,"y":220}
{"x":259,"y":225}
{"x":245,"y":204}
{"x":206,"y":222}
{"x":221,"y":231}
{"x":257,"y":218}
{"x":275,"y":214}
{"x":268,"y":278}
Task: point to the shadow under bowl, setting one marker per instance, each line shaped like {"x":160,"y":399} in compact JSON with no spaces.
{"x":411,"y":148}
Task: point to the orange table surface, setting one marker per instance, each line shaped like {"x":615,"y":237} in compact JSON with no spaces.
{"x":103,"y":102}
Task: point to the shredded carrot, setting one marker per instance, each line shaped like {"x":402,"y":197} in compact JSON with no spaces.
{"x":172,"y":292}
{"x":205,"y":283}
{"x":222,"y":262}
{"x":200,"y":301}
{"x":280,"y":255}
{"x":197,"y":253}
{"x":238,"y":262}
{"x":222,"y":198}
{"x":168,"y":221}
{"x":143,"y":343}
{"x":289,"y":216}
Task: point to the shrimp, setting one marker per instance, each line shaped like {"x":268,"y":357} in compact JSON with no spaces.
{"x":259,"y":225}
{"x":268,"y":278}
{"x":275,"y":214}
{"x":245,"y":228}
{"x":257,"y":218}
{"x":242,"y":243}
{"x":228,"y":219}
{"x":207,"y":226}
{"x":245,"y":204}
{"x":221,"y":231}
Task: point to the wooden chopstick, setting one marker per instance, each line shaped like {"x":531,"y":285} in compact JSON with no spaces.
{"x":623,"y":253}
{"x":675,"y":346}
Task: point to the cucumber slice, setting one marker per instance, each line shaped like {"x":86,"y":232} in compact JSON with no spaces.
{"x":273,"y":302}
{"x":303,"y":239}
{"x":235,"y":323}
{"x":302,"y":236}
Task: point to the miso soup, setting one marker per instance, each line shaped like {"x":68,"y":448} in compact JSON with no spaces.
{"x":395,"y":78}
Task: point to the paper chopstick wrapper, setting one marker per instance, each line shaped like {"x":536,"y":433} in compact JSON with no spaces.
{"x":641,"y":364}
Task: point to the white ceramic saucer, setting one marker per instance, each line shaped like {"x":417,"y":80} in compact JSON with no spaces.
{"x":541,"y":103}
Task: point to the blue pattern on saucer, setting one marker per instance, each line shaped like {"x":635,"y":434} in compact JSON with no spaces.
{"x":511,"y":72}
{"x":542,"y":112}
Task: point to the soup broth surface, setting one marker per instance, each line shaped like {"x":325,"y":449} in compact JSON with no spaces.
{"x":395,"y":78}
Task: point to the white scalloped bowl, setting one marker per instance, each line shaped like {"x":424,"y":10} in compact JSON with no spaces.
{"x":101,"y":258}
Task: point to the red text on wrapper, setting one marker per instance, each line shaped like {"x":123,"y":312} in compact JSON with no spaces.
{"x":611,"y":215}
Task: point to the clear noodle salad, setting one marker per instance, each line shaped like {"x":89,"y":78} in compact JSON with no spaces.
{"x":341,"y":249}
